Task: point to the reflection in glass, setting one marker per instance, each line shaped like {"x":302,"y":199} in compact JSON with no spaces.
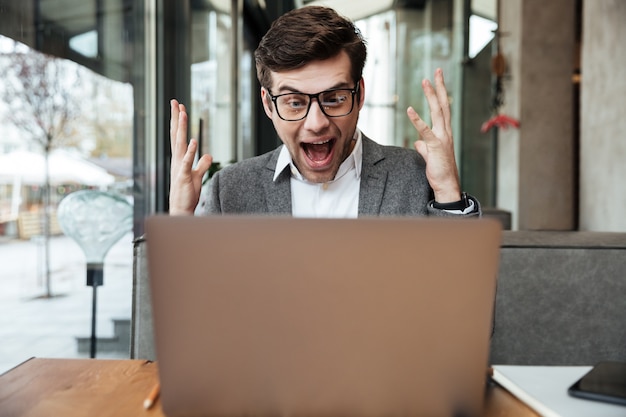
{"x":96,"y":221}
{"x":97,"y":56}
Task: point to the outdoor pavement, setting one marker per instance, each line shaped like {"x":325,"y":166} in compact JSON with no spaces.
{"x":32,"y":325}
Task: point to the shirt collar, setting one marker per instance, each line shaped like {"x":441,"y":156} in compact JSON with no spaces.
{"x":353,"y":161}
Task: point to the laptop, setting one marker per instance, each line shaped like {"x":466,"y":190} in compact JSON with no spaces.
{"x":277,"y":316}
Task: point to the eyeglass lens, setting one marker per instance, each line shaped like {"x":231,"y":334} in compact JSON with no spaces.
{"x":334,"y":103}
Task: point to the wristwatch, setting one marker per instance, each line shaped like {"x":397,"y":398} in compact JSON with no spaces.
{"x":462,"y":204}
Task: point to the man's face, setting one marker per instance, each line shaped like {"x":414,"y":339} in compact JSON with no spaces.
{"x":318,"y":144}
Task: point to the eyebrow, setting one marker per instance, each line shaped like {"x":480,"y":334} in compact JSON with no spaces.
{"x":288,"y":89}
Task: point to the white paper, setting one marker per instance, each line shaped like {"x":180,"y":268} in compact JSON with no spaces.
{"x":544,"y":389}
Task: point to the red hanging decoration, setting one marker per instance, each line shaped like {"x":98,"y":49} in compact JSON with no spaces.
{"x":498,"y":68}
{"x":500,"y":121}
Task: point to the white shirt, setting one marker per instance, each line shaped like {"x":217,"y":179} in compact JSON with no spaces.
{"x":338,"y":198}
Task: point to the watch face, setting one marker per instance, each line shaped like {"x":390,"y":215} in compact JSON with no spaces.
{"x":465,"y":199}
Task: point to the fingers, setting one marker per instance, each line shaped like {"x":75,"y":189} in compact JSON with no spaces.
{"x":189,"y":156}
{"x":425,"y":133}
{"x":181,"y":132}
{"x":178,"y":129}
{"x":186,"y":181}
{"x":433,"y":103}
{"x":422,"y":149}
{"x":442,"y":96}
{"x":174,"y":111}
{"x":437,"y":146}
{"x":203,"y":165}
{"x":437,"y":98}
{"x":183,"y":154}
{"x":419,"y":124}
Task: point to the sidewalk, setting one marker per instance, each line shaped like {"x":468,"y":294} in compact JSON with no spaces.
{"x":31,"y":325}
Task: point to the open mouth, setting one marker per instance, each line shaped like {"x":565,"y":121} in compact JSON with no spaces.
{"x":319,"y":152}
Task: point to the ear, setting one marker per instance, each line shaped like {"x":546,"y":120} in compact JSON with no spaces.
{"x":361,"y":93}
{"x":267,"y":102}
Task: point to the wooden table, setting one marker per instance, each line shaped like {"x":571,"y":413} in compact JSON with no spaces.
{"x":101,"y":387}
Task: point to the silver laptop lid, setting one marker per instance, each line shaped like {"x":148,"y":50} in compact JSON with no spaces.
{"x":280,"y":316}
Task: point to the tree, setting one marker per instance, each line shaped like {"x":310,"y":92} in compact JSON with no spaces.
{"x":41,"y":94}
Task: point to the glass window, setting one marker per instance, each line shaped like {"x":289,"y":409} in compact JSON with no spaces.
{"x":221,"y":68}
{"x":377,"y":118}
{"x":406,"y":45}
{"x":94,"y":88}
{"x":72,"y":73}
{"x":480,"y":94}
{"x":211,"y":78}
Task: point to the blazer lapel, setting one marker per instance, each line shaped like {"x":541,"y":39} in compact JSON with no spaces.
{"x":277,"y":193}
{"x":373,"y":179}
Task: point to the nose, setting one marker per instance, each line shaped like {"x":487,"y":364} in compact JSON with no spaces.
{"x":316,"y":119}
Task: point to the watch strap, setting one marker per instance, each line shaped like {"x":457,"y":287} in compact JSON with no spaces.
{"x":462,"y":204}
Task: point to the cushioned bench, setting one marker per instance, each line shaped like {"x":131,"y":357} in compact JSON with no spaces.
{"x":561,"y":299}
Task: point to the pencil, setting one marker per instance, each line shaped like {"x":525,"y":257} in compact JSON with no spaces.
{"x":154,"y":393}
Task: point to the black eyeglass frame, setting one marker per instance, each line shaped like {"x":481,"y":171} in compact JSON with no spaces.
{"x":353,"y":92}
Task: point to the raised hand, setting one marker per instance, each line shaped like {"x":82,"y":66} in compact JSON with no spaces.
{"x":185,"y":180}
{"x":436,"y":145}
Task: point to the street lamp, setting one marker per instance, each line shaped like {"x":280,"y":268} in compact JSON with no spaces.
{"x":96,"y":220}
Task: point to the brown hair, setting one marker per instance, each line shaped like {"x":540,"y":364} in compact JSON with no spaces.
{"x":308,"y":34}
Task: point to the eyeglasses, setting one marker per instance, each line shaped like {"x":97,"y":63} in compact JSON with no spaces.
{"x":336,"y":102}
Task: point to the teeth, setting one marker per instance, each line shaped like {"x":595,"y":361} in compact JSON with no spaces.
{"x":318,"y":151}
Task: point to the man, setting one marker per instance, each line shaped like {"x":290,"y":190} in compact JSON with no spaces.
{"x":310,"y":65}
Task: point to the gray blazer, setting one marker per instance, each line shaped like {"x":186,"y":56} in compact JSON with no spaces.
{"x":393,"y":183}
